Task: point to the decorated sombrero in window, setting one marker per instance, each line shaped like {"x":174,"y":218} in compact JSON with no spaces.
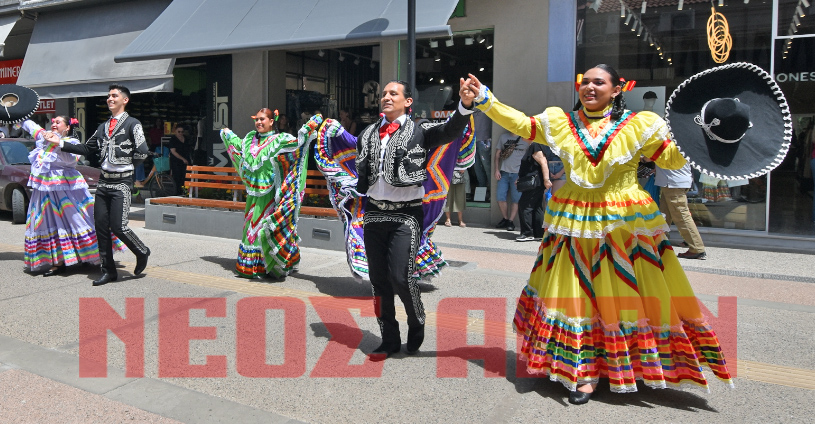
{"x":731,"y":122}
{"x":17,"y":103}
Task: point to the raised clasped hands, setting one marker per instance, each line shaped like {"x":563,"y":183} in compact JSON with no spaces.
{"x":466,"y":92}
{"x":51,"y":137}
{"x":474,"y":84}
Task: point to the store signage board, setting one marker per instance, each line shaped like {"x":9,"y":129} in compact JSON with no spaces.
{"x":10,"y":70}
{"x":47,"y":106}
{"x":795,"y":77}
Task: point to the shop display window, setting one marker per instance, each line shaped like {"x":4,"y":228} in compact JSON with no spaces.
{"x":666,"y":43}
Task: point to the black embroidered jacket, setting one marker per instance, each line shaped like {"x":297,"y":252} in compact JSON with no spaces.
{"x":126,"y":146}
{"x":406,"y":151}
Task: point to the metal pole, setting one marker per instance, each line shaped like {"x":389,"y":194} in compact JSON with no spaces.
{"x":411,"y":41}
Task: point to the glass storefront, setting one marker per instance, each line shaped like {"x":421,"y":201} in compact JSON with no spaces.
{"x":660,"y":44}
{"x":439,"y":65}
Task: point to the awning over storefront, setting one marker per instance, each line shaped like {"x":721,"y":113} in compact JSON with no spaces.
{"x":71,"y":51}
{"x":206,"y":27}
{"x":6,"y":24}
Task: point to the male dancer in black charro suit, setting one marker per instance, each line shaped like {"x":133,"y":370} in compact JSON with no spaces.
{"x":120,"y":144}
{"x":391,"y":167}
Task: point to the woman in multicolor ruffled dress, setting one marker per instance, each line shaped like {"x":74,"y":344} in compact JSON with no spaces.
{"x":59,"y":229}
{"x":607,"y":295}
{"x":272,"y":166}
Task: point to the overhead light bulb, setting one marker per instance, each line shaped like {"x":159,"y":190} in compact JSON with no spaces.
{"x":489,"y":46}
{"x":438,"y":58}
{"x":449,"y":43}
{"x":622,"y":9}
{"x":639,"y":33}
{"x":805,"y":3}
{"x":644,"y":2}
{"x":721,"y":3}
{"x":481,"y":39}
{"x":796,"y":20}
{"x":468,"y":41}
{"x":800,"y":11}
{"x":441,"y":81}
{"x":321,"y":53}
{"x":628,"y":18}
{"x":680,"y":5}
{"x":431,"y":79}
{"x":481,"y":69}
{"x":341,"y":58}
{"x":434,"y":44}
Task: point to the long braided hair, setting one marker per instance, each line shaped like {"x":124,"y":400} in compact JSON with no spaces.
{"x":618,"y":106}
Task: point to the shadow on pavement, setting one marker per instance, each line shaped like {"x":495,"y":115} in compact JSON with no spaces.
{"x":225,"y":263}
{"x":503,"y":234}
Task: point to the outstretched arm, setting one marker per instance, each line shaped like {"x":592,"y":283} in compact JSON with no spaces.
{"x":515,"y":121}
{"x":442,"y":134}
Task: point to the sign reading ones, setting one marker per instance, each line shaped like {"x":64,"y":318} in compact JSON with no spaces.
{"x":795,"y":77}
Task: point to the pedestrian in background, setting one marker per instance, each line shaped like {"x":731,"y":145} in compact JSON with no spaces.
{"x":673,"y":204}
{"x":179,"y":157}
{"x":457,"y":197}
{"x":530,"y":206}
{"x":508,"y":154}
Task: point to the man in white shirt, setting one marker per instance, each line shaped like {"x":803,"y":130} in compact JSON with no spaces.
{"x":121,"y":145}
{"x":391,"y":167}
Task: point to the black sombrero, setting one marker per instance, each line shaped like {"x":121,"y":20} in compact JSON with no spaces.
{"x":17,"y":103}
{"x":731,"y":122}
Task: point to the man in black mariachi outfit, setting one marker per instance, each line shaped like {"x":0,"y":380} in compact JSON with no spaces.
{"x":121,"y":145}
{"x":391,"y":167}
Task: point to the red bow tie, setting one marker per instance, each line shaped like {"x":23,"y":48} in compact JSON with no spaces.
{"x":388,"y":129}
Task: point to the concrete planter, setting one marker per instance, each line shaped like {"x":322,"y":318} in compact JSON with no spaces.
{"x":323,"y":233}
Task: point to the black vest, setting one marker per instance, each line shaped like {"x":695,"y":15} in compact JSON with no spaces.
{"x":405,"y":160}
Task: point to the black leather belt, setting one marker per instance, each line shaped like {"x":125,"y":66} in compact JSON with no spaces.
{"x":392,"y":206}
{"x":117,"y":174}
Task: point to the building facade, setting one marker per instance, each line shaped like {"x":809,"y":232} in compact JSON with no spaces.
{"x":207,"y":64}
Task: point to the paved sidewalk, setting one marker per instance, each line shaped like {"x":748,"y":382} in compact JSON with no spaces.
{"x":39,"y":342}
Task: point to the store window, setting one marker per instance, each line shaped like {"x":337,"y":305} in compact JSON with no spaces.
{"x":439,"y":65}
{"x":665,"y":44}
{"x":792,"y":209}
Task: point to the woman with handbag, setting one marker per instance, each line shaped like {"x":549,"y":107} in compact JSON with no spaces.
{"x":607,"y":296}
{"x":457,"y":197}
{"x":533,"y":181}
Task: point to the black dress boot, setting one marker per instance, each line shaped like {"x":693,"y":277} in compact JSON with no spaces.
{"x":105,"y":278}
{"x":415,"y":339}
{"x":141,"y":263}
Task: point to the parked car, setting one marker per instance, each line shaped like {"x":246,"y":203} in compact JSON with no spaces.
{"x":14,"y":171}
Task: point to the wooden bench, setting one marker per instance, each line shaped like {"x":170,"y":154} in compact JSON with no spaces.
{"x":227,"y":178}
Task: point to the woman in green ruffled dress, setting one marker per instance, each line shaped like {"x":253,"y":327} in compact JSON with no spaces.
{"x":272,"y":166}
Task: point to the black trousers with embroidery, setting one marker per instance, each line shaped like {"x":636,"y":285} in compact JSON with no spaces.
{"x":391,"y":243}
{"x":110,"y":215}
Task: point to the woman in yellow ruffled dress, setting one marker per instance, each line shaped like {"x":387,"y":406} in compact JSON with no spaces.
{"x":607,"y":295}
